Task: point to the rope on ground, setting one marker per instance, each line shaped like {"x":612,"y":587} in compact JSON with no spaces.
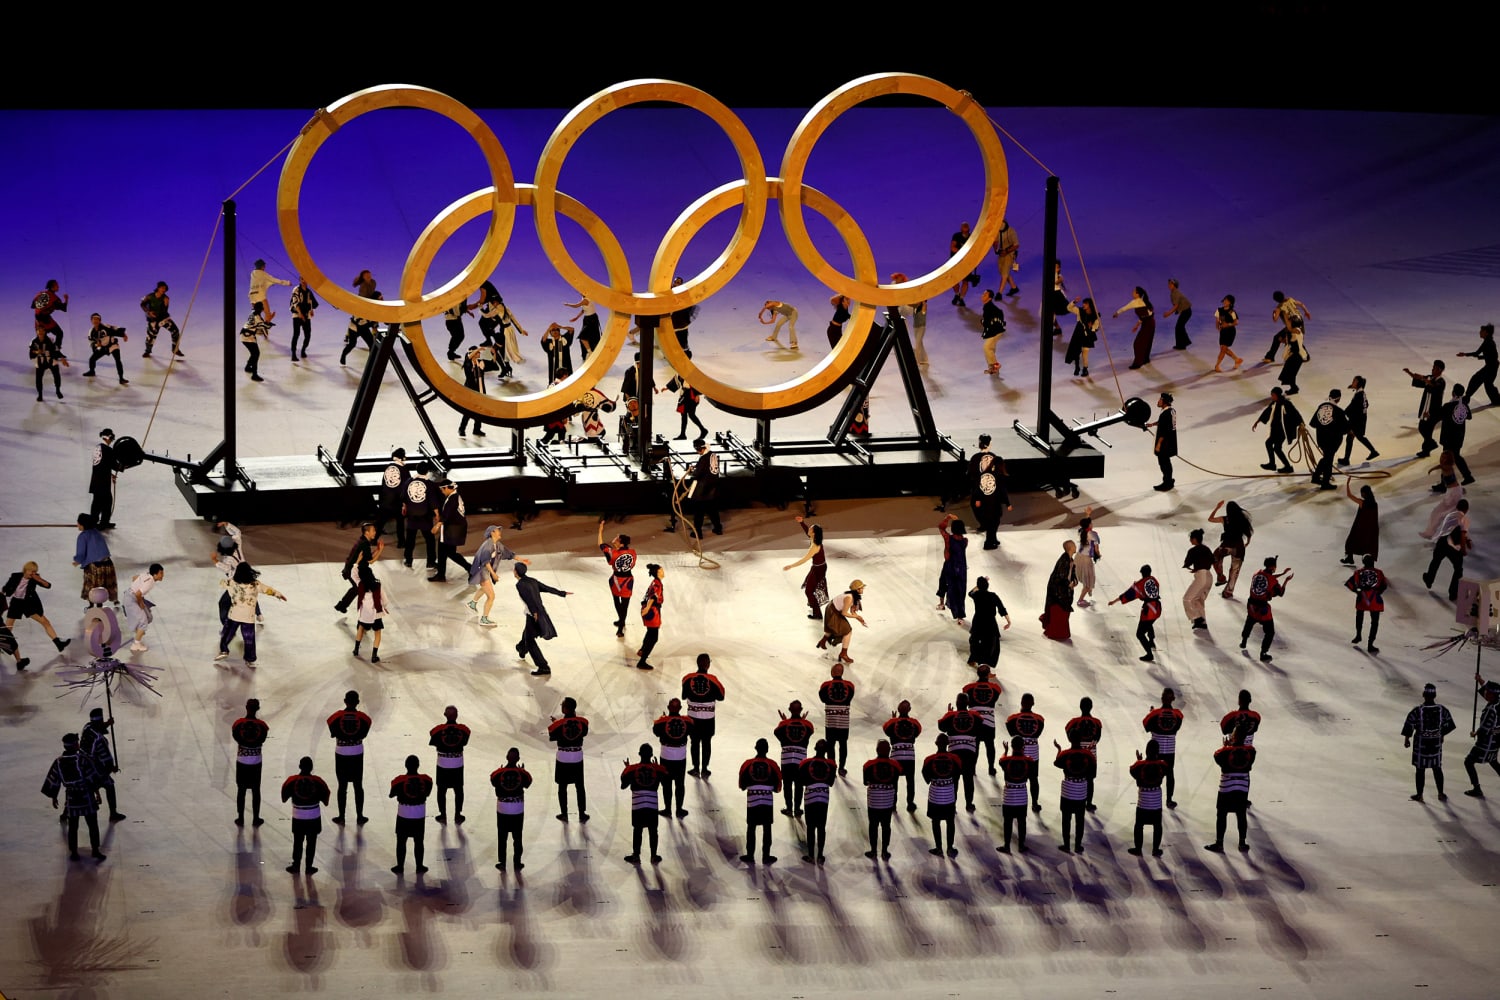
{"x":1305,"y":450}
{"x":678,"y":489}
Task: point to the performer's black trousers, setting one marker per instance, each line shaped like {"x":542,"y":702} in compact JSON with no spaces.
{"x":92,"y":819}
{"x":1143,"y":819}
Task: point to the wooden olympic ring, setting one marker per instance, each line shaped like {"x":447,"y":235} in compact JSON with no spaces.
{"x":811,"y":388}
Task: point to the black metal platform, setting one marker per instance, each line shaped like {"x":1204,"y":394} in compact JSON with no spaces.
{"x":291,"y":489}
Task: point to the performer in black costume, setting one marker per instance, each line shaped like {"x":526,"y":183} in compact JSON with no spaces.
{"x":102,"y":477}
{"x":104,"y":341}
{"x":538,"y":622}
{"x":987,"y":494}
{"x":393,"y":493}
{"x":74,"y":774}
{"x":94,"y":743}
{"x":1283,"y":419}
{"x":1486,"y":737}
{"x":1358,"y":415}
{"x":1166,"y":441}
{"x":1433,"y":388}
{"x":1429,"y":722}
{"x":1330,"y":425}
{"x":1486,"y":352}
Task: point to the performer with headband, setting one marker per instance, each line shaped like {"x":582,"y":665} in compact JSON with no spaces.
{"x":306,"y":792}
{"x":621,"y":559}
{"x":410,"y":790}
{"x":1026,"y":727}
{"x":643,"y":780}
{"x":793,"y":733}
{"x":902,"y":730}
{"x":1429,"y":722}
{"x":249,"y":732}
{"x":510,"y":782}
{"x":674,"y":730}
{"x":449,"y":739}
{"x":348,"y":728}
{"x":1163,"y":723}
{"x":702,"y":691}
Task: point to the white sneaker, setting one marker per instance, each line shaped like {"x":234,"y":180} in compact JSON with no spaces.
{"x":221,"y":656}
{"x":138,"y":647}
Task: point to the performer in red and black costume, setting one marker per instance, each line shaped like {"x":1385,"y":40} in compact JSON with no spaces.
{"x":984,"y":697}
{"x":674,"y":730}
{"x":1369,"y":585}
{"x":643,"y":780}
{"x":941,"y":771}
{"x":1019,"y":770}
{"x":1148,"y":591}
{"x":250,"y":734}
{"x":793,"y":732}
{"x":1267,"y":584}
{"x":651,"y":614}
{"x":621,"y":558}
{"x":74,"y":774}
{"x":962,"y":729}
{"x":1088,"y":730}
{"x":510,"y":782}
{"x":816,"y":774}
{"x":815,"y":584}
{"x":1163,"y":723}
{"x":836,"y":695}
{"x":410,"y":790}
{"x":1079,"y":766}
{"x":349,"y":729}
{"x":307,"y":793}
{"x":881,"y":775}
{"x":760,"y":780}
{"x":1235,"y":759}
{"x":449,"y":739}
{"x":568,"y":733}
{"x":702,"y":691}
{"x":1148,"y":772}
{"x":47,"y":301}
{"x":1242,"y":718}
{"x":902,"y":730}
{"x":1027,"y":725}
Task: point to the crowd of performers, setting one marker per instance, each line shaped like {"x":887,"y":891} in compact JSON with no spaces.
{"x":808,"y":773}
{"x":807,"y":769}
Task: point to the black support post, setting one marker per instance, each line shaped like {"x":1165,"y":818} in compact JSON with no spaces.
{"x":231,"y":456}
{"x":1044,"y":360}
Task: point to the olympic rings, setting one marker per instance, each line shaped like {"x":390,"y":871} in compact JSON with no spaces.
{"x":813,"y":387}
{"x":416,"y":305}
{"x":716,"y":275}
{"x":750,"y":193}
{"x":525,"y":409}
{"x":991,"y":213}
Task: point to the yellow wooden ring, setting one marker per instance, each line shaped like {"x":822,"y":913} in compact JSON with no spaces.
{"x":528,"y":409}
{"x":711,"y":278}
{"x":811,"y":388}
{"x":992,"y":208}
{"x":413,"y":305}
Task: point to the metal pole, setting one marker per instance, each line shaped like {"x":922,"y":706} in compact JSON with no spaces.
{"x":1044,"y":359}
{"x":645,"y":388}
{"x":230,"y":328}
{"x":1478,"y":649}
{"x":108,"y":701}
